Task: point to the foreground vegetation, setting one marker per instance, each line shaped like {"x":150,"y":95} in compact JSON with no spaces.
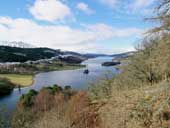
{"x":56,"y":107}
{"x":139,"y":97}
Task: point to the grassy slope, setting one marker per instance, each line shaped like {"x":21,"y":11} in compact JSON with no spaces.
{"x":146,"y":107}
{"x":117,"y":109}
{"x":23,"y":80}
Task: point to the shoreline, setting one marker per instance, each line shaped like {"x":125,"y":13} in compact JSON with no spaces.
{"x":34,"y":74}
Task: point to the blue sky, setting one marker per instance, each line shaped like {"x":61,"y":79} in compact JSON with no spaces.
{"x":99,"y":26}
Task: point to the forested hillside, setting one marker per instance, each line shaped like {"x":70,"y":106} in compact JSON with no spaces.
{"x":15,"y":54}
{"x":21,"y":54}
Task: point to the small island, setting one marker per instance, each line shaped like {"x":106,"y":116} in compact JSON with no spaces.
{"x":112,"y":63}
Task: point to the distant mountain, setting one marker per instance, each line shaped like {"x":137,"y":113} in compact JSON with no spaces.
{"x":71,"y":53}
{"x":22,"y":52}
{"x":93,"y":55}
{"x":123,"y":55}
{"x":120,"y":55}
{"x":16,"y":44}
{"x":87,"y":55}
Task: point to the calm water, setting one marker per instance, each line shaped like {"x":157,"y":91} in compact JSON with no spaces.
{"x":75,"y":78}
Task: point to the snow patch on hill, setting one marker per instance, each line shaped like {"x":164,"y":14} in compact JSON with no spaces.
{"x":16,"y":44}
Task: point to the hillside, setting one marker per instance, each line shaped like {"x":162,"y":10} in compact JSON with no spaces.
{"x":23,"y":54}
{"x":139,"y":97}
{"x":15,"y":54}
{"x":123,"y":55}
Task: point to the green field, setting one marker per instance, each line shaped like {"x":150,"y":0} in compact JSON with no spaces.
{"x":19,"y":79}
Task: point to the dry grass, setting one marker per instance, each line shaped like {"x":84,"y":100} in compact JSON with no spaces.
{"x":147,"y":107}
{"x":51,"y":119}
{"x":77,"y":113}
{"x":115,"y":113}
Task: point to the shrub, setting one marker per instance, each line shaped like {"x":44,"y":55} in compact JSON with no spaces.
{"x":27,"y":100}
{"x":102,"y":89}
{"x":44,"y":100}
{"x":57,"y":88}
{"x":5,"y":86}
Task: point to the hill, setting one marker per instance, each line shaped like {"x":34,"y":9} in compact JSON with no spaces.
{"x":16,"y":54}
{"x":22,"y":53}
{"x":94,"y":55}
{"x":123,"y":55}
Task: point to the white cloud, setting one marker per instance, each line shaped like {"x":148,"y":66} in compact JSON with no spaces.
{"x":103,"y":30}
{"x":85,"y":8}
{"x":61,"y":36}
{"x":138,"y":4}
{"x":110,"y":3}
{"x":50,"y":10}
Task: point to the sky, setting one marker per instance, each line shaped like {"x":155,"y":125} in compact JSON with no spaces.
{"x":85,"y":26}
